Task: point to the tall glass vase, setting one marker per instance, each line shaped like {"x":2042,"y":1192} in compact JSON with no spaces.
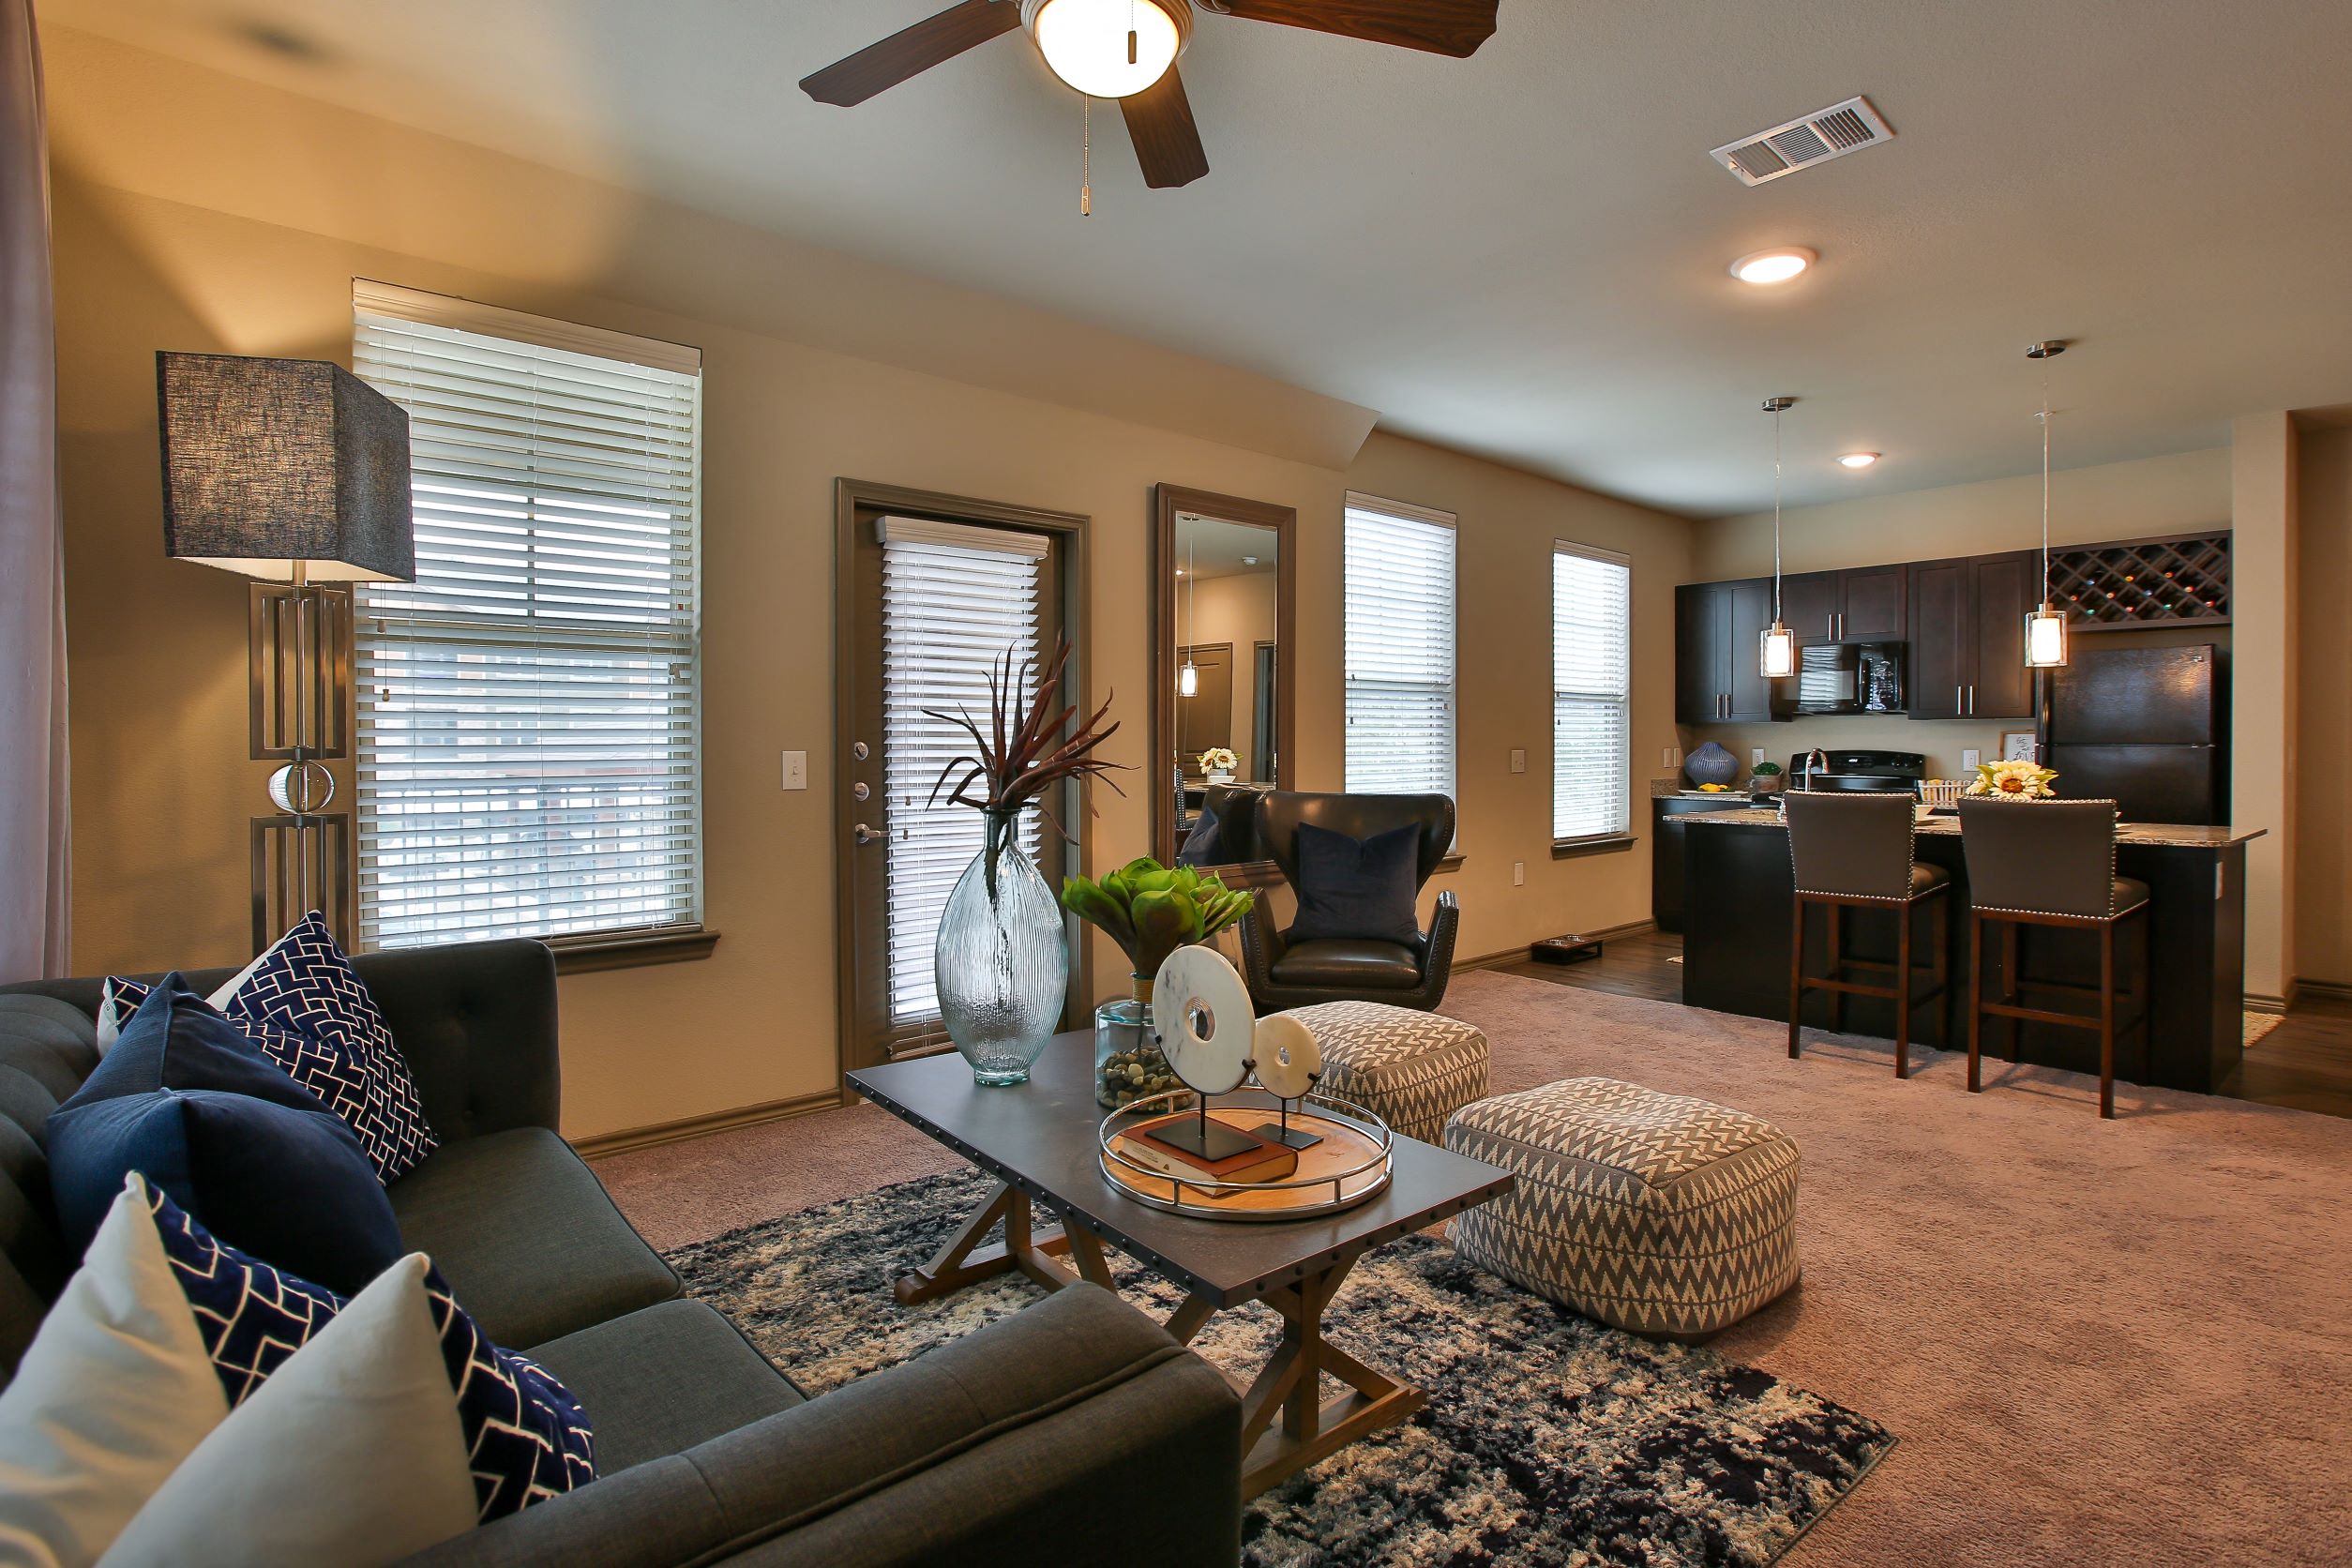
{"x":1000,"y":963}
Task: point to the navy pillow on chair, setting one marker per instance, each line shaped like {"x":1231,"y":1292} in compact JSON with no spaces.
{"x":1358,"y":889}
{"x":1201,"y":845}
{"x":187,"y":1100}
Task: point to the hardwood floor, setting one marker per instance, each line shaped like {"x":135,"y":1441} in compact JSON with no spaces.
{"x":2306,"y":1063}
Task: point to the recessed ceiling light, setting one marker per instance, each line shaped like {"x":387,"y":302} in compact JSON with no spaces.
{"x":1857,"y":460}
{"x":1249,"y":560}
{"x":1772,"y":266}
{"x":1179,"y":571}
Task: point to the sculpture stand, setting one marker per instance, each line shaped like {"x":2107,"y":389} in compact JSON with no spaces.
{"x":1210,"y":1142}
{"x":1281,"y":1131}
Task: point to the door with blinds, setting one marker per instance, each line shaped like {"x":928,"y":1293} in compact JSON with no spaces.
{"x":929,"y":606}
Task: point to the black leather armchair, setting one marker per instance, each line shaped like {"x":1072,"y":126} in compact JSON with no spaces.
{"x":1282,"y":973}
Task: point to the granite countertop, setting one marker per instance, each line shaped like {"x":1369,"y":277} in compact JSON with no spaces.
{"x":2169,"y":836}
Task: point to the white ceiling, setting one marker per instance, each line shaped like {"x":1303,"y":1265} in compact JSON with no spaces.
{"x":1521,"y":255}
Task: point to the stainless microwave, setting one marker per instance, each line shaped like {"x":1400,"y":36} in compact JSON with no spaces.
{"x":1850,"y":678}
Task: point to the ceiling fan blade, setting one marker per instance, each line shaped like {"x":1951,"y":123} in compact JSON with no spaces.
{"x":912,"y":51}
{"x":1167,"y":141}
{"x":1454,"y":28}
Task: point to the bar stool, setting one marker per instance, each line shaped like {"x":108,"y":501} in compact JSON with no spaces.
{"x":1857,"y":849}
{"x":2048,"y":862}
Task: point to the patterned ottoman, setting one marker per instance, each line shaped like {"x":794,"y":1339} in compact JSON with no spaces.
{"x":1414,"y":1069}
{"x":1666,"y":1215}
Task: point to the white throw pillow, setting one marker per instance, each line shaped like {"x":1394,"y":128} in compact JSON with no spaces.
{"x":350,"y":1453}
{"x":113,"y":1393}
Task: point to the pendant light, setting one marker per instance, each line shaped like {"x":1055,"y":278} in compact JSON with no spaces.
{"x":1777,"y":653}
{"x":2046,"y":627}
{"x":1188,"y":678}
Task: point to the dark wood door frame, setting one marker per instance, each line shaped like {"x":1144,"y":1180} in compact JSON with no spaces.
{"x":1166,"y":501}
{"x":852,"y":499}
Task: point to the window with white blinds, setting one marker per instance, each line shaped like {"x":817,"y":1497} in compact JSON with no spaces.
{"x":1591,"y":693}
{"x":528,"y":708}
{"x":1398,"y":610}
{"x":954,"y":597}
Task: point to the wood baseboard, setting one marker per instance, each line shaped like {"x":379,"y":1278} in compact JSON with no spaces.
{"x":2324,"y":990}
{"x":1519,"y":954}
{"x":2258,"y":1001}
{"x":698,"y":1126}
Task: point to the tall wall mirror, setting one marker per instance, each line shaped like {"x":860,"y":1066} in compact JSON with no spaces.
{"x":1222,"y":714}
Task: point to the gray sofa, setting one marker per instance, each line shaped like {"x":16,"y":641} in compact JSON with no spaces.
{"x":1077,"y":1428}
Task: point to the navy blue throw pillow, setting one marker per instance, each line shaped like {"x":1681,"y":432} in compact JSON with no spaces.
{"x":1358,"y":889}
{"x":1201,"y":845}
{"x":187,"y":1099}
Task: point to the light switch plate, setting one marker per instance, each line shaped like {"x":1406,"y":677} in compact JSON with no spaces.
{"x":1971,"y":758}
{"x":796,"y":770}
{"x":1756,"y":757}
{"x":1518,"y":873}
{"x":1519,"y":759}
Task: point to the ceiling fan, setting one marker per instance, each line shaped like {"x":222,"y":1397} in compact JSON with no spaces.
{"x":1128,"y":48}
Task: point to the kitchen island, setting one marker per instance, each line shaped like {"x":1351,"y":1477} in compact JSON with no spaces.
{"x":1738,"y":901}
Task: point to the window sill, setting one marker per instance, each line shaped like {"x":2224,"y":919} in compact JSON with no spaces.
{"x":632,"y":950}
{"x":1571,"y":849}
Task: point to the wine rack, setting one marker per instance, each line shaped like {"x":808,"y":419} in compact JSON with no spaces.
{"x":2143,"y":582}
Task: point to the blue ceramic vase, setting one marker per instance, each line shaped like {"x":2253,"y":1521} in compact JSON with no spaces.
{"x":1710,"y":764}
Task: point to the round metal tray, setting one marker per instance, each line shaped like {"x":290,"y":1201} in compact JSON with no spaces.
{"x":1349,"y":1166}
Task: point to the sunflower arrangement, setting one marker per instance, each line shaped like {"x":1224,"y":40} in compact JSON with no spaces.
{"x":1218,"y":759}
{"x":2013,"y":779}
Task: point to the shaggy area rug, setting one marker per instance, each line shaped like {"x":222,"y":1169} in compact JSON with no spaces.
{"x":1547,"y":1438}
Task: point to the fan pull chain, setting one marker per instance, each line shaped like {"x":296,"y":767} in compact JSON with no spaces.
{"x":1086,"y":156}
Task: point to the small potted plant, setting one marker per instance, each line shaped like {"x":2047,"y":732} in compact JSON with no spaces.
{"x":2013,"y":779}
{"x":1766,"y":779}
{"x":1150,"y":911}
{"x":1217,"y":765}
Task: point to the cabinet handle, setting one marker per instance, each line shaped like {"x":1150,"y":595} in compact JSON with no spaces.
{"x":1958,"y":706}
{"x":1972,"y":700}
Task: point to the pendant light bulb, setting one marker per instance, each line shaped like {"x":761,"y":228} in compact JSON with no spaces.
{"x":1188,"y":677}
{"x":1188,"y":681}
{"x":2045,"y":626}
{"x":1776,"y":651}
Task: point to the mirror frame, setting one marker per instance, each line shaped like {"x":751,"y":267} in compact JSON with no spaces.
{"x":1166,"y":502}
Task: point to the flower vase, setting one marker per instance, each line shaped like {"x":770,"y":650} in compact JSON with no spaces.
{"x":1000,"y":964}
{"x":1127,"y":1064}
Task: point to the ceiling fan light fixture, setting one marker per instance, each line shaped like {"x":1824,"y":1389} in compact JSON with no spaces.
{"x":1108,"y":49}
{"x":1763,"y":267}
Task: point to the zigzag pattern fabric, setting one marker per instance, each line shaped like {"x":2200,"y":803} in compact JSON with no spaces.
{"x":527,"y":1437}
{"x":1414,"y":1069}
{"x":309,"y":1011}
{"x":1654,"y":1213}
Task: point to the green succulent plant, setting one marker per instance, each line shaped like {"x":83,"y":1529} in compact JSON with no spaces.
{"x":1152,"y":909}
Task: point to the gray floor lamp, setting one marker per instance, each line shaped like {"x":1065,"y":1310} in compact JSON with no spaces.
{"x":295,"y":472}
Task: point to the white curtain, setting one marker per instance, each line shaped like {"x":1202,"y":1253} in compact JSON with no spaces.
{"x":33,"y":835}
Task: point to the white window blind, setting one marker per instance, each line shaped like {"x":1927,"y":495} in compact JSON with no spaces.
{"x":528,"y":708}
{"x":954,"y":597}
{"x":1591,"y":693}
{"x":1398,"y":609}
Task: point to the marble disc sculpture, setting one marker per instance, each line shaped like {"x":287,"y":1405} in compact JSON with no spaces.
{"x":1289,"y":1059}
{"x":1201,"y":1012}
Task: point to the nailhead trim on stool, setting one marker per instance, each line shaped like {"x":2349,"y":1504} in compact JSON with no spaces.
{"x":1651,"y":1211}
{"x":1414,"y":1069}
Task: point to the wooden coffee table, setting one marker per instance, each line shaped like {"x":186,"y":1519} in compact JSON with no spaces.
{"x":1037,"y":1139}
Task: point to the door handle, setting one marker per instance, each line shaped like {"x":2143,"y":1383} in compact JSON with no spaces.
{"x":863,"y":834}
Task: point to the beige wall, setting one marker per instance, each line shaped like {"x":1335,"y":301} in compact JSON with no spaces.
{"x":262,"y":264}
{"x":2323,"y":798}
{"x":2262,"y":696}
{"x":1239,"y":609}
{"x":2175,"y":494}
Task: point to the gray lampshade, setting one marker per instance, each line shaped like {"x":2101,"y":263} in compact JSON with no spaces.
{"x":271,"y":462}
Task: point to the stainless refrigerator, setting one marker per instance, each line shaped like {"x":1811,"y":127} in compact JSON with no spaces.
{"x":2147,"y":728}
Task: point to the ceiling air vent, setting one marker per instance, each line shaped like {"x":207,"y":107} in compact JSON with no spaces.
{"x":1816,"y":138}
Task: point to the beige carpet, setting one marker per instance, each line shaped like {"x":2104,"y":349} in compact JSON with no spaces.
{"x":2125,"y":1342}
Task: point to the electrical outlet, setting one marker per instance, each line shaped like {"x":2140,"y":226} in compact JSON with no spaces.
{"x":1519,"y":759}
{"x":796,"y":770}
{"x":1756,"y":757}
{"x":1971,"y":758}
{"x":1518,"y":873}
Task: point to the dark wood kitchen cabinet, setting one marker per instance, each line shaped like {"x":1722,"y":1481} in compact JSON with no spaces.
{"x":1967,"y":636}
{"x":1867,"y":604}
{"x":1718,"y":651}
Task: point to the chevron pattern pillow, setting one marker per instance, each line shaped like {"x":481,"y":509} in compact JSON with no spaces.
{"x":527,"y":1437}
{"x":309,"y":1012}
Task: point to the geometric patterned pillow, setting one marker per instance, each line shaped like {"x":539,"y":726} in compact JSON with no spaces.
{"x":527,"y":1438}
{"x":307,"y":1008}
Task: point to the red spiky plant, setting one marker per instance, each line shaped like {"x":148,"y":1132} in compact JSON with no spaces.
{"x":1025,"y":752}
